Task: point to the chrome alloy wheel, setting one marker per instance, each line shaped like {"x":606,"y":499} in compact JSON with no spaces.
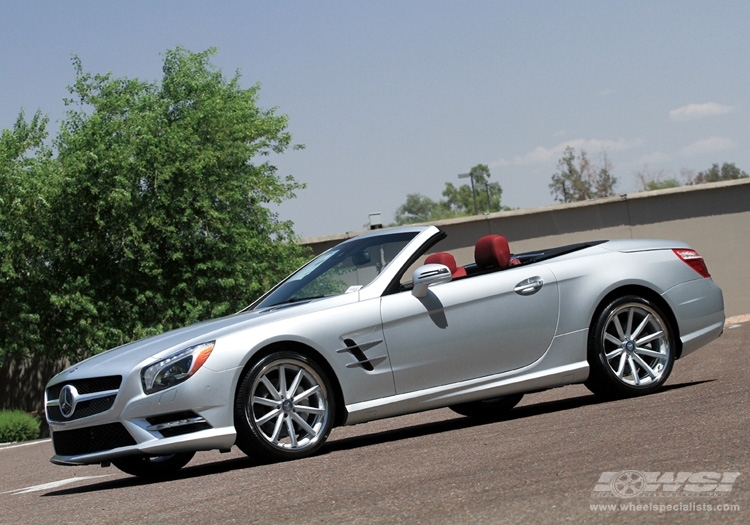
{"x":288,"y":405}
{"x":636,"y":344}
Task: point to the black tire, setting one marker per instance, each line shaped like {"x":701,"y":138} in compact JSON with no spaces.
{"x":631,"y":349}
{"x":284,"y":408}
{"x":490,"y":409}
{"x":153,"y":466}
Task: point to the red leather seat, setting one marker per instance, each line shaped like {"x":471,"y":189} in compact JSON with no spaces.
{"x":492,"y":251}
{"x":448,"y":260}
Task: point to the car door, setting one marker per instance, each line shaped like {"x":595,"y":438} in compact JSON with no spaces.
{"x":471,"y":327}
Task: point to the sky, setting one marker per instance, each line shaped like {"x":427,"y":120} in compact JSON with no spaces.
{"x":397,"y":97}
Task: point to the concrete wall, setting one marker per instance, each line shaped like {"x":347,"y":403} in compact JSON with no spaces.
{"x":713,"y":218}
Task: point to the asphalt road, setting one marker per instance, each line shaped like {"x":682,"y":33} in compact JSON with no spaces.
{"x":678,"y":456}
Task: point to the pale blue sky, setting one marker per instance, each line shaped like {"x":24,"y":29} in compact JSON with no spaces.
{"x":397,"y":97}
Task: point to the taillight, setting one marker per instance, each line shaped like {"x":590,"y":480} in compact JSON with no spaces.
{"x":694,"y":260}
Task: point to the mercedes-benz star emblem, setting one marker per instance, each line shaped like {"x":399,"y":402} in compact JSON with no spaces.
{"x":68,"y":400}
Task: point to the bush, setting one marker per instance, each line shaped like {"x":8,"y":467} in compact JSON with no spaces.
{"x":17,"y":426}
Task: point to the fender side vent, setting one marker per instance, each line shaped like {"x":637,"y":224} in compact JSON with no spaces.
{"x":358,"y":351}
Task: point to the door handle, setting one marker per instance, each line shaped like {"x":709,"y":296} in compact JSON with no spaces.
{"x":529,"y":286}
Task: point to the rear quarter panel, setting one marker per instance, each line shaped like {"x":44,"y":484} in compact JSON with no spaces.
{"x":587,"y":277}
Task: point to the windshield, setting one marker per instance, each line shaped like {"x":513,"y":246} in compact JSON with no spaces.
{"x":343,"y":269}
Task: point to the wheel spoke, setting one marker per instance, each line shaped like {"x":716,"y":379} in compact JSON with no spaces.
{"x":265,"y":402}
{"x":629,"y":331}
{"x":621,"y":365}
{"x":309,"y":410}
{"x":307,"y":393}
{"x":643,"y":365}
{"x":277,"y":428}
{"x":271,"y":389}
{"x":296,"y":382}
{"x":650,"y":353}
{"x":290,"y":429}
{"x":612,"y":339}
{"x":618,"y":327}
{"x":268,"y":417}
{"x":650,"y":337}
{"x":641,"y":326}
{"x":282,"y":381}
{"x":634,"y":371}
{"x":301,"y":422}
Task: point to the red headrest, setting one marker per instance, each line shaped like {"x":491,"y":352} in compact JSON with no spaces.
{"x":448,"y":260}
{"x":492,"y":250}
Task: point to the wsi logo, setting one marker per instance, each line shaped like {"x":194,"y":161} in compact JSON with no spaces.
{"x":632,"y":483}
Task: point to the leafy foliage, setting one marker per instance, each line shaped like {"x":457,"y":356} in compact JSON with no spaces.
{"x":16,"y":426}
{"x":480,"y":196}
{"x":662,"y":184}
{"x":154,"y":208}
{"x":659,"y":180}
{"x":577,"y":179}
{"x":727,"y":171}
{"x":650,"y":181}
{"x":27,"y":182}
{"x":419,"y":208}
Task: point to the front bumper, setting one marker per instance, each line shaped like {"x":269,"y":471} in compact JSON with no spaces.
{"x":194,"y":415}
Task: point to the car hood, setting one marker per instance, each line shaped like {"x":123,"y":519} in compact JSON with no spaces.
{"x":124,"y":359}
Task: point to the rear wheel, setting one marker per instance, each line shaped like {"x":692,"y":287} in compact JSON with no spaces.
{"x":493,"y":408}
{"x":284,"y":408}
{"x":153,"y":466}
{"x":631,"y":349}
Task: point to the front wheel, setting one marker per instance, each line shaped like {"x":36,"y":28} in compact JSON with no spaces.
{"x":284,"y":408}
{"x":494,"y":408}
{"x":631,"y":349}
{"x":153,"y":466}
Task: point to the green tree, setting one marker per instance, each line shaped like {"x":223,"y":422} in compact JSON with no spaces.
{"x":417,"y":208}
{"x":156,"y":216}
{"x":27,"y":181}
{"x":459,"y":201}
{"x":662,"y":184}
{"x":650,"y":181}
{"x":577,"y":179}
{"x":479,"y":196}
{"x":727,"y":171}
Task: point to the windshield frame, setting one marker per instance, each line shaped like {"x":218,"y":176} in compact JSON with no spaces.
{"x":284,"y":293}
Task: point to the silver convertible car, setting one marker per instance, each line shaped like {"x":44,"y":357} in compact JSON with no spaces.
{"x":386,"y":324}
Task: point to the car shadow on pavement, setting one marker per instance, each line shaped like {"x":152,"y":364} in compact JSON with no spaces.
{"x":375,"y":438}
{"x":189,"y":472}
{"x":520,"y":412}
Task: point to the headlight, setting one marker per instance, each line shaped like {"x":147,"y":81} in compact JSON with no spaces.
{"x":176,"y":368}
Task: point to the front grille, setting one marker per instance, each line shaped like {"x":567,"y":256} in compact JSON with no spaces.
{"x":91,"y":439}
{"x":87,"y":386}
{"x":84,"y":408}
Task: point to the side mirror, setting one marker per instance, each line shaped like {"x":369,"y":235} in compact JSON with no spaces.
{"x":428,"y":275}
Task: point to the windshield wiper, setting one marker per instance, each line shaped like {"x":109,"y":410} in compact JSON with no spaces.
{"x":294,"y":300}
